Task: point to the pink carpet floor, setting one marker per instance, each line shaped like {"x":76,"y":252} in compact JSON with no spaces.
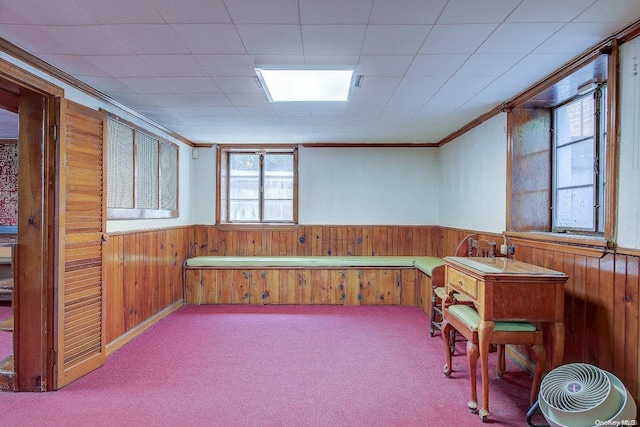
{"x":276,"y":366}
{"x":6,"y":338}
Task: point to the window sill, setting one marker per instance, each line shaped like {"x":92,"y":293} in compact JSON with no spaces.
{"x":562,"y":242}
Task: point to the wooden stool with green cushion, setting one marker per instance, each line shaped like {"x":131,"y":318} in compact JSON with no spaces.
{"x":465,"y":320}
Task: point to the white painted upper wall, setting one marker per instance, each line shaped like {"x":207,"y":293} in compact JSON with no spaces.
{"x":628,"y":221}
{"x":374,"y":186}
{"x":472,"y":181}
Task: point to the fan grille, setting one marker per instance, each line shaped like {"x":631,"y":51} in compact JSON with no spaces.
{"x":575,"y":387}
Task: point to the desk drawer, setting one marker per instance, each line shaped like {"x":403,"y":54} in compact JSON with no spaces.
{"x":462,"y":283}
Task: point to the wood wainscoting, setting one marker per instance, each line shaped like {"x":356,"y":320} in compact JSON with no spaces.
{"x":143,"y":277}
{"x":314,"y":240}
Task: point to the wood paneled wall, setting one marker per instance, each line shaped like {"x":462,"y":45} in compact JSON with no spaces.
{"x":143,"y":276}
{"x":307,"y":240}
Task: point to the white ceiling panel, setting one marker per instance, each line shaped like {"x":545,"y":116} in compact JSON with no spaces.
{"x":429,"y":66}
{"x":209,"y":39}
{"x":406,"y":11}
{"x":394,"y":39}
{"x":263,"y":12}
{"x":271,"y":39}
{"x":333,"y":39}
{"x":193,"y":12}
{"x":456,"y":39}
{"x":122,"y":11}
{"x":518,"y":38}
{"x":335,"y":11}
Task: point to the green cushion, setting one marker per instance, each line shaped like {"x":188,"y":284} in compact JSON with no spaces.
{"x":470,"y":317}
{"x":426,"y":264}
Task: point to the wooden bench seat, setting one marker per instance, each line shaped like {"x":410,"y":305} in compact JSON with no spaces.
{"x":349,"y":280}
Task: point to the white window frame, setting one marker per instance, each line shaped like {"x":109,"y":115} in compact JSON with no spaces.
{"x":222,"y":188}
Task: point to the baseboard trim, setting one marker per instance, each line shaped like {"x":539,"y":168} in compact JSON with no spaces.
{"x":123,"y":339}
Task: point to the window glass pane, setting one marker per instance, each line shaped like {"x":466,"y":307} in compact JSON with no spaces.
{"x":575,"y":164}
{"x":168,"y":176}
{"x":244,"y":210}
{"x":147,"y":194}
{"x":244,"y":187}
{"x":278,"y":210}
{"x":574,"y":208}
{"x":574,"y":121}
{"x":278,"y":187}
{"x":119,"y":165}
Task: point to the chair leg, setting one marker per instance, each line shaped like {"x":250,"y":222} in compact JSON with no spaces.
{"x":501,"y":364}
{"x":472,"y":357}
{"x":434,"y":300}
{"x":541,"y":360}
{"x":446,"y":334}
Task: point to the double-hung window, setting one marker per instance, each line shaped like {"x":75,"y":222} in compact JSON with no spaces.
{"x":257,"y":186}
{"x":579,"y":163}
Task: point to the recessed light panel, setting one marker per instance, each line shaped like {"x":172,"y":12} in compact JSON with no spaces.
{"x":305,"y":85}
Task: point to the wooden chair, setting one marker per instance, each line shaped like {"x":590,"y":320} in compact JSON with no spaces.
{"x":466,"y":320}
{"x":470,"y":246}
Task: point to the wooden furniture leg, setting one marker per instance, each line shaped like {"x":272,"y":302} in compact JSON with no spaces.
{"x":446,"y":337}
{"x":541,"y":359}
{"x":484,"y":339}
{"x":472,"y":358}
{"x":557,"y":334}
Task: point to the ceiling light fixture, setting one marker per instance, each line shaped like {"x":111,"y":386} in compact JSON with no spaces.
{"x":305,"y":84}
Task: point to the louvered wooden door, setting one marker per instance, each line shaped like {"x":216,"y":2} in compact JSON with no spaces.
{"x":80,"y":302}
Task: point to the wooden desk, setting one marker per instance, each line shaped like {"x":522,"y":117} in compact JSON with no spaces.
{"x":505,"y":289}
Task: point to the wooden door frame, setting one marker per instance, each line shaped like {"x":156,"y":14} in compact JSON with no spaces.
{"x":34,"y":295}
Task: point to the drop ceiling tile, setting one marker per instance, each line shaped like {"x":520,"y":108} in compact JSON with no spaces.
{"x":227,"y":65}
{"x":332,"y":39}
{"x":413,"y":99}
{"x":108,"y":85}
{"x":548,"y":10}
{"x":122,"y":65}
{"x":271,"y":39}
{"x":436,"y":65}
{"x":349,"y":60}
{"x":175,"y":65}
{"x":193,"y":11}
{"x":149,"y":85}
{"x":34,"y":39}
{"x":257,"y":100}
{"x":167,"y":100}
{"x":208,"y":100}
{"x":384,"y":65}
{"x":489,"y":64}
{"x":518,"y":38}
{"x":148,"y":39}
{"x":459,"y":38}
{"x":406,"y":11}
{"x":75,"y":65}
{"x":334,"y":11}
{"x":262,"y":12}
{"x":267,"y":59}
{"x":618,"y":12}
{"x":394,"y":39}
{"x":475,"y":12}
{"x":122,"y":11}
{"x":44,"y":13}
{"x":87,"y":40}
{"x":194,"y":84}
{"x":421,"y":84}
{"x":573,"y":38}
{"x":210,"y":39}
{"x":262,"y":114}
{"x":238,"y":85}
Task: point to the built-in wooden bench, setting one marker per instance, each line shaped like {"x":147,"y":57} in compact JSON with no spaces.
{"x":348,"y":280}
